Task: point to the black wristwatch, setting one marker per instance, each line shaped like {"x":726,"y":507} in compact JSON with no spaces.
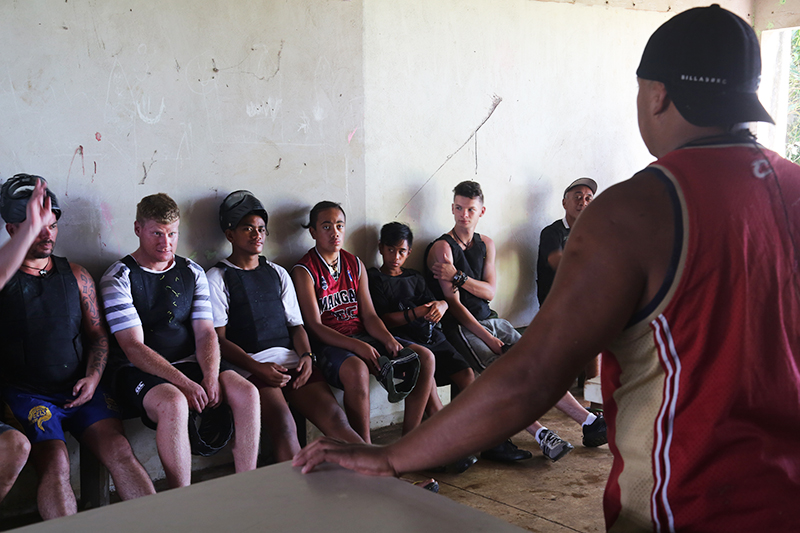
{"x":312,"y":356}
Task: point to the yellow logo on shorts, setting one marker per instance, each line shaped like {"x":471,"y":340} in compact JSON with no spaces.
{"x":39,"y":414}
{"x":111,"y":404}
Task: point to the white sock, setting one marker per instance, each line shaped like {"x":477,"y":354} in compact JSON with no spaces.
{"x":538,"y":435}
{"x":589,"y":419}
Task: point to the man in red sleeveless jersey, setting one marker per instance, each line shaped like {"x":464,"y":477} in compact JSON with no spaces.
{"x":694,"y":293}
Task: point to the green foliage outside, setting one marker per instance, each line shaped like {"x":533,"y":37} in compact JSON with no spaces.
{"x":793,"y":120}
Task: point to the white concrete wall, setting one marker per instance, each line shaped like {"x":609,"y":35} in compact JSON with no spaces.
{"x":557,"y":83}
{"x":566,"y":76}
{"x":112,"y":101}
{"x":771,"y":15}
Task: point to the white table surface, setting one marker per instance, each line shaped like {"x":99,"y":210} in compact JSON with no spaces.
{"x":279,"y":498}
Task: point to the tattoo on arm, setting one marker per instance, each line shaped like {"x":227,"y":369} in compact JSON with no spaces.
{"x":98,"y":357}
{"x":89,"y":298}
{"x":97,"y":349}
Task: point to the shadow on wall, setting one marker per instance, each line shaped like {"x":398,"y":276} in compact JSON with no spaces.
{"x":418,"y":216}
{"x":522,"y":245}
{"x":367,"y":237}
{"x":80,"y":234}
{"x":202,"y":239}
{"x":288,"y":239}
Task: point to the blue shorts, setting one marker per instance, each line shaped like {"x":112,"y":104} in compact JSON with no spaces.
{"x":331,"y":358}
{"x":43,"y":416}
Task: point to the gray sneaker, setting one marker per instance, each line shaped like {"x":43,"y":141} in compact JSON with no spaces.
{"x":553,"y":446}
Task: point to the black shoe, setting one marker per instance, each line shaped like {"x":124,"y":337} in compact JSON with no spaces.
{"x":506,"y":453}
{"x":462,"y":465}
{"x":595,"y":434}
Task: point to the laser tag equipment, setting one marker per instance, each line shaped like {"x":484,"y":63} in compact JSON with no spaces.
{"x":399,"y":376}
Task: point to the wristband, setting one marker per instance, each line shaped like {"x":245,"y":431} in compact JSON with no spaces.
{"x":312,"y":356}
{"x":459,"y":279}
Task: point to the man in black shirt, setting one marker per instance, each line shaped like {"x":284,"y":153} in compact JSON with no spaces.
{"x":554,"y":237}
{"x":409,"y":309}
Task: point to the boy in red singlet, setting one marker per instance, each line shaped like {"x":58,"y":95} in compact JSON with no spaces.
{"x":347,"y":334}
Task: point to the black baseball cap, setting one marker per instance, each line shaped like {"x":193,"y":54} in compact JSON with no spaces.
{"x":14,"y":196}
{"x":710,"y":62}
{"x":236,"y":206}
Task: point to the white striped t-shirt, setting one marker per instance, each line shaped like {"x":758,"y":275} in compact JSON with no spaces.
{"x":115,"y":289}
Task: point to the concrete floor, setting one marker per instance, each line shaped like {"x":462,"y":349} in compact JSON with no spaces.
{"x":535,"y":494}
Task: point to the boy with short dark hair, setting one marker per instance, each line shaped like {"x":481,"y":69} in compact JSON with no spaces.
{"x":408,"y":308}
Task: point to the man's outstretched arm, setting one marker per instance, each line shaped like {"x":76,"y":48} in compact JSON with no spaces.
{"x":613,"y":265}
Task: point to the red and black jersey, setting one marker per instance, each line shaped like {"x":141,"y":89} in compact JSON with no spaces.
{"x":701,"y":390}
{"x":337,"y":293}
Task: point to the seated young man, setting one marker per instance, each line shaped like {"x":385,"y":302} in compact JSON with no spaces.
{"x":157,"y":306}
{"x":261,"y":332}
{"x":349,"y":336}
{"x":408,"y":308}
{"x":461,"y":270}
{"x":55,"y":348}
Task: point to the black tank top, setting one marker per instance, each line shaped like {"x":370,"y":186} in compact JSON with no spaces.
{"x":471,"y":262}
{"x":40,"y":325}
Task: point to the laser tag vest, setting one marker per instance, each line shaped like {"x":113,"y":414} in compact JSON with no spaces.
{"x":470,"y":261}
{"x":163,"y":302}
{"x":256,"y":318}
{"x":40,"y":328}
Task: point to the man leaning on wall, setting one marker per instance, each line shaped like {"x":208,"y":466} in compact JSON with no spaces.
{"x":460,"y":269}
{"x":577,"y":196}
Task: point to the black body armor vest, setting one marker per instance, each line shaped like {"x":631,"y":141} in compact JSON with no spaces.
{"x":164,"y":305}
{"x":40,"y":328}
{"x":256,"y":318}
